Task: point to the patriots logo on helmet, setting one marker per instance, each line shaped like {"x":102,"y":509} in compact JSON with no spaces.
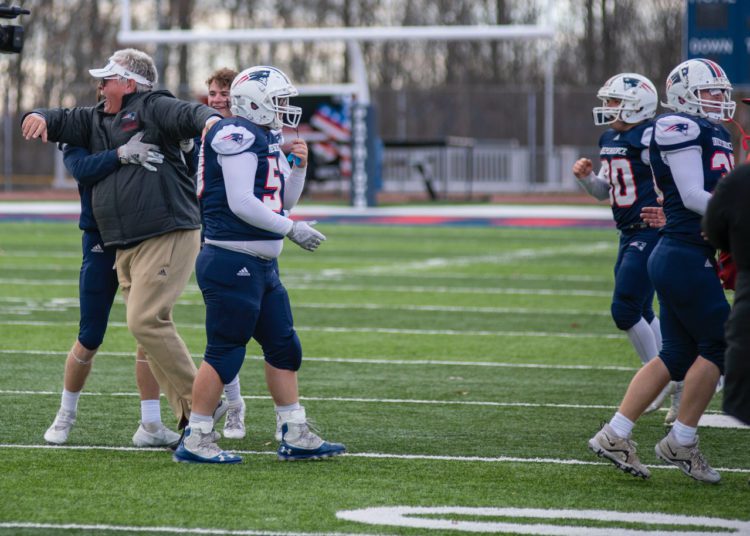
{"x":678,"y":127}
{"x":233,"y":136}
{"x":260,"y":76}
{"x":630,"y":82}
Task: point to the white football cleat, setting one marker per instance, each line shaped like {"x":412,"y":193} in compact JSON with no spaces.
{"x":58,"y":432}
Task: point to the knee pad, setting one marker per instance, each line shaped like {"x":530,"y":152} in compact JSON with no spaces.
{"x":624,"y":314}
{"x":225,"y":361}
{"x":286,"y":355}
{"x":91,"y":333}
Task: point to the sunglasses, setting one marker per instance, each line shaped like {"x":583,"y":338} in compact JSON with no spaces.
{"x":103,"y":81}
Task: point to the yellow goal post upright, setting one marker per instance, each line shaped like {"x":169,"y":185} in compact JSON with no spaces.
{"x":362,"y":150}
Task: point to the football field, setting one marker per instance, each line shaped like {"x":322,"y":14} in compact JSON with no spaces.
{"x":465,"y":367}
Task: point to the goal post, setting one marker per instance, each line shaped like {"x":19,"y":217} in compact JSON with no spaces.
{"x":363,"y":120}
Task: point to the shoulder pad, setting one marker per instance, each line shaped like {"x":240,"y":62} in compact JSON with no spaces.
{"x":232,"y":139}
{"x":675,"y":130}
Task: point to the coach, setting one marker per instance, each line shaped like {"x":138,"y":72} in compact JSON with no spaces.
{"x":150,"y":214}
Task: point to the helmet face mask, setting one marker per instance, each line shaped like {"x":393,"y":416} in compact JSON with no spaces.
{"x":637,"y":96}
{"x":687,"y":81}
{"x":261,"y":95}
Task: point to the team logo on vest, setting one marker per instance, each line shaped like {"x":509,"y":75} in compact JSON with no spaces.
{"x":129,"y":121}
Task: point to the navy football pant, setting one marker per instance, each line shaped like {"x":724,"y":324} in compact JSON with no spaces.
{"x":693,"y":308}
{"x":97,"y":286}
{"x":633,"y":296}
{"x":245,"y":299}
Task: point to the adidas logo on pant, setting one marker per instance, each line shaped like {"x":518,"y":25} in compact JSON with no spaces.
{"x":244,"y":272}
{"x":97,"y":249}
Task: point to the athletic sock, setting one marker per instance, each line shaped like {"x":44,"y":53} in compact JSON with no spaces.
{"x":642,"y":338}
{"x":204,"y":423}
{"x":683,"y":434}
{"x":655,"y":325}
{"x":69,"y":401}
{"x":232,"y":392}
{"x":150,"y":411}
{"x":622,"y":426}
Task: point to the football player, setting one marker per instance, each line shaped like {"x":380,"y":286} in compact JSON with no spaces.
{"x":629,"y":103}
{"x":246,"y":189}
{"x":690,"y":151}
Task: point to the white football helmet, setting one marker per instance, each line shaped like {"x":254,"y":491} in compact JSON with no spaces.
{"x":686,"y":81}
{"x":637,"y":96}
{"x":261,"y":95}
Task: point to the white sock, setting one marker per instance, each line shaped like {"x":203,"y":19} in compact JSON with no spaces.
{"x":285,"y":412}
{"x":204,"y":423}
{"x":232,"y":392}
{"x":655,"y":325}
{"x":622,"y":426}
{"x":683,"y":434}
{"x":642,"y":338}
{"x":69,"y":401}
{"x":150,"y":411}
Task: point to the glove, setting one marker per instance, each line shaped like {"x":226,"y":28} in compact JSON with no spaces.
{"x":137,"y":152}
{"x":727,"y":270}
{"x":303,"y":234}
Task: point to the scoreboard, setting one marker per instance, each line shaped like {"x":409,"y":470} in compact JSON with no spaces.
{"x":720,"y":31}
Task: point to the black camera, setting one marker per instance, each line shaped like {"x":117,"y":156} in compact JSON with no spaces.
{"x":11,"y":37}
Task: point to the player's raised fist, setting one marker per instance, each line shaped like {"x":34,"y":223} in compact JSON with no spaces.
{"x":582,"y":168}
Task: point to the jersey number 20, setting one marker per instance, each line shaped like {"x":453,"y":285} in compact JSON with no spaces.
{"x":622,"y":190}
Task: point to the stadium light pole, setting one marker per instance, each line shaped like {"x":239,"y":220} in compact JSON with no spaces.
{"x":352,"y":36}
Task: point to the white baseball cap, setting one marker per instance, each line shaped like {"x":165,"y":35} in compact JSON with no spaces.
{"x":115,"y":69}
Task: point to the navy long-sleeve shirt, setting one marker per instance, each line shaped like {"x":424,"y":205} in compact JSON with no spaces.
{"x":88,"y":169}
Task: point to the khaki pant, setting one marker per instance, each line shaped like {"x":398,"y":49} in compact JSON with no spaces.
{"x":152,"y":276}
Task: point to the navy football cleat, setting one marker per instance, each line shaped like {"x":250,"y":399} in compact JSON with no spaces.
{"x":197,"y":447}
{"x":298,"y":442}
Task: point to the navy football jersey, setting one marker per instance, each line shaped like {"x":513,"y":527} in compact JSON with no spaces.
{"x":631,"y":185}
{"x":674,"y":131}
{"x":230,"y":136}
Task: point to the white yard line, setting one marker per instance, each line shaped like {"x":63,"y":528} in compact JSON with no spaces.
{"x":373,"y":361}
{"x":372,"y":455}
{"x":337,"y":329}
{"x":98,"y":528}
{"x":398,"y":401}
{"x":33,"y":304}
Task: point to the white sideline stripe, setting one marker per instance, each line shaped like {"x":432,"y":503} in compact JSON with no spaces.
{"x":448,"y":262}
{"x":374,"y":361}
{"x":354,"y":399}
{"x":372,"y":455}
{"x":175,"y":530}
{"x":335,"y":329}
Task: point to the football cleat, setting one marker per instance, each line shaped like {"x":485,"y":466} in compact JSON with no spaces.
{"x":58,"y":432}
{"x":234,"y":425}
{"x":155,"y":435}
{"x":220,"y":410}
{"x":197,"y":447}
{"x":279,"y":422}
{"x":658,"y":402}
{"x":620,"y":451}
{"x":688,"y":459}
{"x":299,"y":442}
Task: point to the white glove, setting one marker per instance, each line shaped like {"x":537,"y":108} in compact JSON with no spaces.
{"x":303,"y":234}
{"x":137,"y":152}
